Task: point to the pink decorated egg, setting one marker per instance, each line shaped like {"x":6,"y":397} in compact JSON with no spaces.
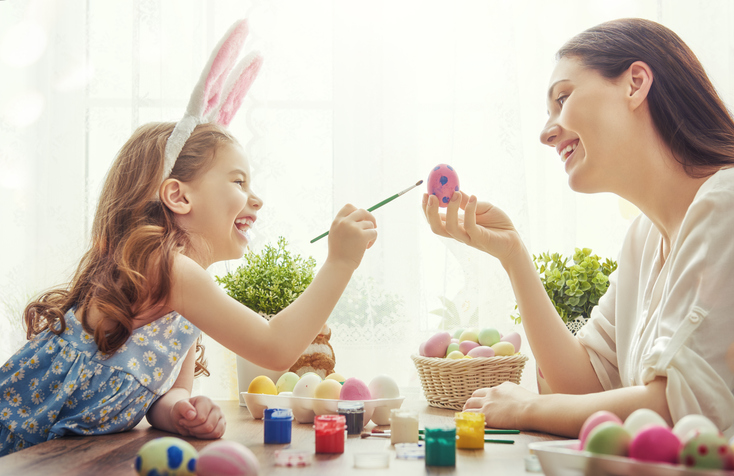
{"x":442,"y":182}
{"x":227,"y":458}
{"x":514,"y":339}
{"x":707,"y":451}
{"x":656,"y":444}
{"x":481,"y":351}
{"x":437,"y":344}
{"x":608,"y":438}
{"x":355,"y":389}
{"x":466,"y":346}
{"x":594,"y":420}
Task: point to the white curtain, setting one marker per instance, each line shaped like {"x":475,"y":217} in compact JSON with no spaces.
{"x":356,"y":101}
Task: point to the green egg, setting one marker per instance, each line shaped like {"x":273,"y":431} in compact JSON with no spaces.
{"x":286,"y":382}
{"x":452,"y":347}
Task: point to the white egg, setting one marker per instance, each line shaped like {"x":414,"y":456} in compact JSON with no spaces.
{"x":641,"y":417}
{"x":306,"y":386}
{"x":689,"y":424}
{"x":383,"y":386}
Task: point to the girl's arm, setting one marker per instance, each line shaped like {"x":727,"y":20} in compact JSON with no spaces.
{"x":178,"y":412}
{"x":564,"y":360}
{"x":511,"y":406}
{"x":276,"y":344}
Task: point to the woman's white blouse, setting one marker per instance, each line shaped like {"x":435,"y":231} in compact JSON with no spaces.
{"x":676,"y":319}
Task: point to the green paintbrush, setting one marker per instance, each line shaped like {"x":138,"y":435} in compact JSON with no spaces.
{"x":375,"y":207}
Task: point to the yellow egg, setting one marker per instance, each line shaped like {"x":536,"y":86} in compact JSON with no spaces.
{"x":329,"y":389}
{"x":262,"y":384}
{"x":502,"y":348}
{"x":455,"y":355}
{"x":335,"y":376}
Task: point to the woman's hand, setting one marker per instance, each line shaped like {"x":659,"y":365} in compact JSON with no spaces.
{"x":198,"y":417}
{"x":503,"y":406}
{"x":482,"y":226}
{"x":353,"y":231}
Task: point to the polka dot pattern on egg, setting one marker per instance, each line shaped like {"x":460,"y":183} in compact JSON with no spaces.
{"x":442,"y":182}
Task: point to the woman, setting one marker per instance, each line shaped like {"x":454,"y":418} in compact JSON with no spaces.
{"x":632,"y":112}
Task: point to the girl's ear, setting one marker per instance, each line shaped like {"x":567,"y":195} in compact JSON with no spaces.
{"x":173,"y":196}
{"x":639,"y":79}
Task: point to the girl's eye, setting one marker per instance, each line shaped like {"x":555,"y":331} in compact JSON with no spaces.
{"x":241,"y":183}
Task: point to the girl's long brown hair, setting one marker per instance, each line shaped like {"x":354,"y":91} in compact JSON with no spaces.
{"x":685,"y":107}
{"x":127,"y":267}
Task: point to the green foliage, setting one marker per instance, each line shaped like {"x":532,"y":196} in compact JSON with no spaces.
{"x":575,"y":289}
{"x":269,"y":281}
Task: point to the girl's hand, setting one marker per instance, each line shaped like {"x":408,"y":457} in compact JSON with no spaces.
{"x":353,"y":231}
{"x":198,"y":417}
{"x":482,"y":226}
{"x":503,"y":406}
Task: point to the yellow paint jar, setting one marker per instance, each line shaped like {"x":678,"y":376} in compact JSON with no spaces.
{"x":469,"y":430}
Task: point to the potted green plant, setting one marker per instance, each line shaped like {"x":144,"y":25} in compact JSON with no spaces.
{"x":267,"y":282}
{"x":573,"y":288}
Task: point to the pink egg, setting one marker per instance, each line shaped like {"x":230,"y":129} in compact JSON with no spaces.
{"x":227,"y":458}
{"x":466,"y":346}
{"x":593,"y":421}
{"x":422,"y":349}
{"x":437,"y":344}
{"x":656,"y":444}
{"x":481,"y":351}
{"x":442,"y":182}
{"x":355,"y":389}
{"x":514,"y":339}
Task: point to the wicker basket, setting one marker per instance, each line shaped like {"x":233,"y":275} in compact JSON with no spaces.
{"x":449,"y":383}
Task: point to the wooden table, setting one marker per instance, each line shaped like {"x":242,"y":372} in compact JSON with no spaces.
{"x":110,"y":455}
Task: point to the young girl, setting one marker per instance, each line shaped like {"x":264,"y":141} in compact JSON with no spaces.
{"x":631,"y":112}
{"x":115,"y":344}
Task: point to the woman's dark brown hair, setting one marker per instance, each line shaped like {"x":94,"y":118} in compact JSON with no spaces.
{"x":686,"y":110}
{"x":127,"y":267}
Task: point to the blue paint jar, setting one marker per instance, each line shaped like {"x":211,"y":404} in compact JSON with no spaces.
{"x":278,"y":423}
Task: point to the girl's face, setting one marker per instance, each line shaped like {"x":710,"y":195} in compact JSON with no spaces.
{"x":588,"y":127}
{"x":223,"y":207}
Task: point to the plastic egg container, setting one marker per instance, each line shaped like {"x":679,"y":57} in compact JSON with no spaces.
{"x":309,"y":395}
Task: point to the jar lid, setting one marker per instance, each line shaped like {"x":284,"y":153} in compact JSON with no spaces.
{"x":278,"y":414}
{"x":350,"y":406}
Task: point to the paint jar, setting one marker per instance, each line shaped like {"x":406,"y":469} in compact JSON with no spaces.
{"x":403,"y":426}
{"x":441,"y":446}
{"x":353,"y":413}
{"x":469,"y":430}
{"x":330,"y":433}
{"x":278,"y":423}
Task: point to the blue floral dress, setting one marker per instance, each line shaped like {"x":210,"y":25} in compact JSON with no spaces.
{"x":60,"y":385}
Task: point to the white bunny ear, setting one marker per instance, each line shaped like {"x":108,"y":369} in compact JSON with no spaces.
{"x":213,"y":85}
{"x":234,"y":91}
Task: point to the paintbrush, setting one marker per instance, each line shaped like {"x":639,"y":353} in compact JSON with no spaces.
{"x":375,"y":207}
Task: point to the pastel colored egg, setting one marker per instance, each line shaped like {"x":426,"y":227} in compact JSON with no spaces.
{"x":466,"y":346}
{"x":422,"y":349}
{"x":452,"y":347}
{"x":442,"y":182}
{"x":593,"y":421}
{"x":513,"y":338}
{"x":335,"y":376}
{"x":489,"y":336}
{"x":707,"y":451}
{"x":262,"y":384}
{"x":469,"y":334}
{"x":454,"y":340}
{"x":503,"y":349}
{"x":383,"y":386}
{"x":656,"y":444}
{"x":467,"y":357}
{"x":481,"y":351}
{"x":355,"y":389}
{"x":306,"y":386}
{"x":642,"y":417}
{"x":457,"y":333}
{"x":286,"y":382}
{"x":328,"y":389}
{"x":455,"y":355}
{"x":227,"y":458}
{"x":691,"y":425}
{"x":608,"y":438}
{"x":437,"y":344}
{"x":166,"y":455}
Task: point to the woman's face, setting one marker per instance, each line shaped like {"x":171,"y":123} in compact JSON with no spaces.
{"x":587,"y":126}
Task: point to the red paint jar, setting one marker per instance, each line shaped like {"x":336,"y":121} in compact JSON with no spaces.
{"x":330,"y":434}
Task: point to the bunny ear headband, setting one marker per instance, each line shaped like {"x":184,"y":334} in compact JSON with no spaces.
{"x":218,"y":94}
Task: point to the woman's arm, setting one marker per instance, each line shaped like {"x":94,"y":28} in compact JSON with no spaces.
{"x":565,"y":362}
{"x":511,"y":406}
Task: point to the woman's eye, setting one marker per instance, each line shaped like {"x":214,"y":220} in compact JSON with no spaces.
{"x":561,"y":100}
